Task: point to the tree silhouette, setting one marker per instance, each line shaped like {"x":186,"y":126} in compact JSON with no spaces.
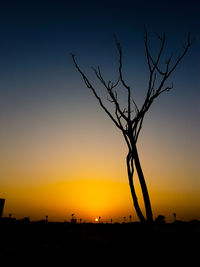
{"x":129,"y":119}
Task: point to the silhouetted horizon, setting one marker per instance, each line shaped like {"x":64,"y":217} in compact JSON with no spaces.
{"x":60,"y":154}
{"x":99,"y":243}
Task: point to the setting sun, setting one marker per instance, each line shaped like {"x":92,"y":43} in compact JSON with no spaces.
{"x":60,"y":152}
{"x":99,"y":119}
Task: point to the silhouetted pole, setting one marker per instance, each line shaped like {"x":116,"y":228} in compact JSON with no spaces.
{"x":174,"y":216}
{"x":2,"y":202}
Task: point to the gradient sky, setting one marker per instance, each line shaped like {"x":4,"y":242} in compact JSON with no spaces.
{"x":60,"y":153}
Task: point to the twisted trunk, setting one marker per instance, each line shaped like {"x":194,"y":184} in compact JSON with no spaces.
{"x":130,"y":169}
{"x":142,"y":184}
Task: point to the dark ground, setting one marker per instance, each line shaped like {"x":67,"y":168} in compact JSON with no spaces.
{"x":99,"y":244}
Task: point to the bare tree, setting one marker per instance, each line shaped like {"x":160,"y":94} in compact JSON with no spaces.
{"x":130,"y":119}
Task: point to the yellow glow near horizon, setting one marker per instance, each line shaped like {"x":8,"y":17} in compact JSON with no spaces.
{"x":85,"y":198}
{"x":56,"y":173}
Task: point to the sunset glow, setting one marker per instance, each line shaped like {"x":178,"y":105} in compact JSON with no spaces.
{"x":60,"y":152}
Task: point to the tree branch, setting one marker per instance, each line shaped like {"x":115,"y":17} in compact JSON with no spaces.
{"x":88,"y":84}
{"x":121,"y":76}
{"x":153,"y":93}
{"x":186,"y":47}
{"x":109,"y":88}
{"x":156,"y":86}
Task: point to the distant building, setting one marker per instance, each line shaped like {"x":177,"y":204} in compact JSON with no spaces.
{"x":2,"y":201}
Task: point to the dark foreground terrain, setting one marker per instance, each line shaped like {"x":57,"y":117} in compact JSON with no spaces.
{"x":99,"y":244}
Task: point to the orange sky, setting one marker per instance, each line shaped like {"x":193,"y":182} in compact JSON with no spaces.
{"x":59,"y":171}
{"x":59,"y":152}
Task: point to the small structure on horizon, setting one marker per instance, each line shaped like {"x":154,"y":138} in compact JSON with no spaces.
{"x":174,"y":216}
{"x":160,"y":219}
{"x":73,"y":220}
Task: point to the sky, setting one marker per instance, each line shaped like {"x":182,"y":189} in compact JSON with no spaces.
{"x":60,"y":153}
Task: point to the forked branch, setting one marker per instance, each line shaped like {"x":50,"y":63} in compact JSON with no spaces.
{"x":89,"y":85}
{"x":131,"y":127}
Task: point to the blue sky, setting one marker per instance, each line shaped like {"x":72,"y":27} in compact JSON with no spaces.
{"x":42,"y":97}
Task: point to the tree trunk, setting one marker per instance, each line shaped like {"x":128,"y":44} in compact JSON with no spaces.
{"x":143,"y":185}
{"x":129,"y":162}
